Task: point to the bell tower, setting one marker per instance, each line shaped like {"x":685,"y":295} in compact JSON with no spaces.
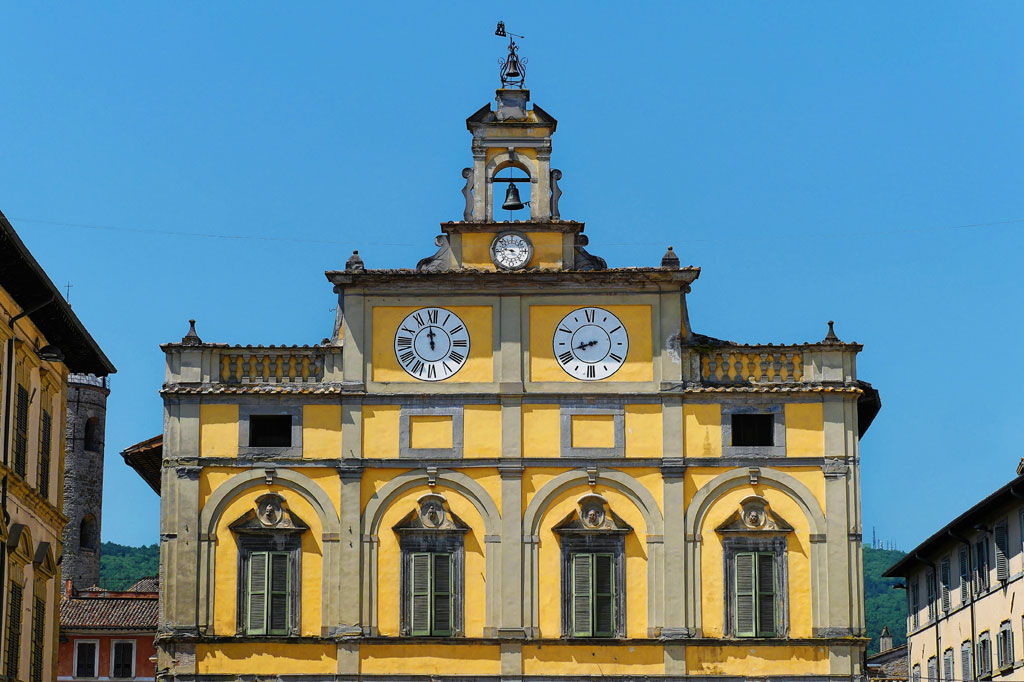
{"x":512,"y":135}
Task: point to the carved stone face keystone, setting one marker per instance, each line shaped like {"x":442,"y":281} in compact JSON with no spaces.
{"x":268,"y":510}
{"x":432,"y":514}
{"x":592,"y":516}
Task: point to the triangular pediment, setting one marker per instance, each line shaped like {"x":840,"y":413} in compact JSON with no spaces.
{"x":269,"y":515}
{"x":592,"y":515}
{"x":772,"y":523}
{"x":431,"y":516}
{"x":43,"y":560}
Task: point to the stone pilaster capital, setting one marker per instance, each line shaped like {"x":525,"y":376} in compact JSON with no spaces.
{"x":190,"y":473}
{"x":674,"y":467}
{"x":510,"y":471}
{"x":834,"y":468}
{"x":350,"y":470}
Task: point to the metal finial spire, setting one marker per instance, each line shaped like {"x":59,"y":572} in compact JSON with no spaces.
{"x":513,"y":69}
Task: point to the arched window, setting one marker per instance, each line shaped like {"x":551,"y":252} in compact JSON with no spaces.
{"x":93,"y":436}
{"x":88,"y":533}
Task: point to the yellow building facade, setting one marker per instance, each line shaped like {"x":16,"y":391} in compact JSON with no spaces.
{"x":41,"y":341}
{"x":512,"y":462}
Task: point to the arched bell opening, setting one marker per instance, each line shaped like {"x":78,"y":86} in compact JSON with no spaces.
{"x":511,"y":193}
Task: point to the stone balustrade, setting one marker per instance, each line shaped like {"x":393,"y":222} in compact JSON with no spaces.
{"x":751,"y":365}
{"x":284,"y":365}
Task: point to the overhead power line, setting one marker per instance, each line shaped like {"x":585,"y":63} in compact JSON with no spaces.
{"x":844,"y":234}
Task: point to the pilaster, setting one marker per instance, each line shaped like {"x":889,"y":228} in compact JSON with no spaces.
{"x":675,"y":622}
{"x":511,"y":611}
{"x":837,"y":523}
{"x":345,"y":597}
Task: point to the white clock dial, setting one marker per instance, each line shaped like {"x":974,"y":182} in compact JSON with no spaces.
{"x":511,"y":250}
{"x":590,"y":344}
{"x":432,"y":344}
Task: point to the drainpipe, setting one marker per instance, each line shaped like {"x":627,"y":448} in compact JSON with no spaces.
{"x":970,"y":590}
{"x":926,"y":562}
{"x":8,"y":395}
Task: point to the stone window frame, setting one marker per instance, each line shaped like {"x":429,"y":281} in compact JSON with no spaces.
{"x":405,"y":449}
{"x":96,"y":659}
{"x":439,"y":542}
{"x":247,"y":410}
{"x":593,"y":543}
{"x":248,"y":543}
{"x":113,"y":648}
{"x":754,"y":451}
{"x":615,"y":408}
{"x":777,"y":546}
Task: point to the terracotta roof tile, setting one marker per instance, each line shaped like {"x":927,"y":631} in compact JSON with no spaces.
{"x":109,"y":613}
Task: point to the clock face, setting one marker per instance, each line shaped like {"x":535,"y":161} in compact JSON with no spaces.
{"x":590,"y":344}
{"x":432,"y":344}
{"x":511,"y":250}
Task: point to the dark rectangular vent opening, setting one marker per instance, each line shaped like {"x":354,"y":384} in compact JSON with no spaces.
{"x":752,"y":430}
{"x":270,"y":431}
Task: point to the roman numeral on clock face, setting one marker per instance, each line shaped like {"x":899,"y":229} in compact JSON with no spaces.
{"x":591,"y":372}
{"x":566,"y":357}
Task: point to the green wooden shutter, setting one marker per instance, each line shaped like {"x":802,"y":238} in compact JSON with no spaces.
{"x":944,"y":578}
{"x":582,"y":595}
{"x":441,"y":607}
{"x":766,"y":595}
{"x":604,"y":595}
{"x":420,"y":601}
{"x":45,"y":432}
{"x":965,"y":585}
{"x":745,"y":608}
{"x":277,"y":600}
{"x":21,"y":433}
{"x":1002,"y":552}
{"x":257,"y":594}
{"x":14,"y":632}
{"x":38,"y":639}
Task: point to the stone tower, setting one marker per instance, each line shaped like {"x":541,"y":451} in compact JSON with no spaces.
{"x":83,"y":478}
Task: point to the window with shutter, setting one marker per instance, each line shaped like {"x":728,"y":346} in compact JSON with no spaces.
{"x":38,"y":639}
{"x":85,"y":658}
{"x":593,"y":598}
{"x":944,"y":578}
{"x":432,"y":594}
{"x":933,"y":670}
{"x":981,"y":566}
{"x":966,"y":671}
{"x":1004,"y":645}
{"x":1002,"y":548}
{"x":441,"y":594}
{"x":123,"y":655}
{"x":984,"y":656}
{"x":14,"y":631}
{"x":420,"y":601}
{"x":45,"y":435}
{"x":604,"y":595}
{"x":765,"y":595}
{"x":965,"y":571}
{"x":947,"y":665}
{"x":755,"y":602}
{"x":21,"y":432}
{"x":916,"y":673}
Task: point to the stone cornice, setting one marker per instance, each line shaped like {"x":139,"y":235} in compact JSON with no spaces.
{"x":36,"y":503}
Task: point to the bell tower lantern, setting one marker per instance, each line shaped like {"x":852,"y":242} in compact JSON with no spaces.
{"x":512,"y":135}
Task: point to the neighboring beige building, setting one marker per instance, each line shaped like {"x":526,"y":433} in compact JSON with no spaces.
{"x":965,"y":593}
{"x":41,"y":341}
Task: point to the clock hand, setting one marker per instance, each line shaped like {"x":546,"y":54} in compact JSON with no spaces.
{"x":431,"y":335}
{"x":588,"y":344}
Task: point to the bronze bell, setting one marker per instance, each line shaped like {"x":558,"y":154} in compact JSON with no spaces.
{"x":512,"y":200}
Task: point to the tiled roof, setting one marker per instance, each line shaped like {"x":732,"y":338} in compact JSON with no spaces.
{"x":311,"y":388}
{"x":109,"y":613}
{"x":147,"y":584}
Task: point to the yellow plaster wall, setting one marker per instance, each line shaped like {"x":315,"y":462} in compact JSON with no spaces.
{"x":218,"y":430}
{"x":798,"y":559}
{"x":541,"y":431}
{"x":636,"y":318}
{"x":430,"y":431}
{"x":429,"y":659}
{"x":389,"y":560}
{"x":548,"y":659}
{"x":755,"y":661}
{"x":479,"y":366}
{"x":643,"y":430}
{"x":593,"y":430}
{"x":547,"y":249}
{"x":805,"y":430}
{"x":321,"y":431}
{"x":702,"y":430}
{"x":482,"y":431}
{"x":226,"y":561}
{"x":256,"y":658}
{"x":549,"y":560}
{"x":380,"y":430}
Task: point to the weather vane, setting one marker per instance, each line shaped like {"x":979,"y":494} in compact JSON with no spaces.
{"x":513,"y":69}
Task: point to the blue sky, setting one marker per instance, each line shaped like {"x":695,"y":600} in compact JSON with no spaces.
{"x":851,"y":161}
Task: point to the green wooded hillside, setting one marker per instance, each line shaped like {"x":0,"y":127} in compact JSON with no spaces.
{"x":120,"y":566}
{"x":883,"y":605}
